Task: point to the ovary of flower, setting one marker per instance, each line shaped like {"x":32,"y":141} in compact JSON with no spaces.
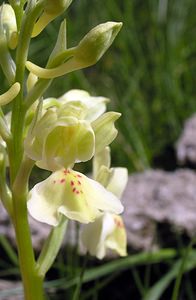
{"x":107,"y":232}
{"x":72,"y":194}
{"x":8,"y":96}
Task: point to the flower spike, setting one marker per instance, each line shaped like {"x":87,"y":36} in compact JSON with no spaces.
{"x":8,"y":96}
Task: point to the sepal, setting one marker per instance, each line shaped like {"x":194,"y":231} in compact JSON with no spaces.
{"x":104,"y":129}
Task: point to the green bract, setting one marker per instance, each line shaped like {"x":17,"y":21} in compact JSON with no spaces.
{"x":71,"y":130}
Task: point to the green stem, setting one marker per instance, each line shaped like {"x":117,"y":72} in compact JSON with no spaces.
{"x":18,"y":113}
{"x":37,"y":91}
{"x":51,"y":247}
{"x":33,"y":284}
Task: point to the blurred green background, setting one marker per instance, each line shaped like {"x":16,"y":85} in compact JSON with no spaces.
{"x":148,"y":73}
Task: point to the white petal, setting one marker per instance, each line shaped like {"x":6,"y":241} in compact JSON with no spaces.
{"x":118,"y":181}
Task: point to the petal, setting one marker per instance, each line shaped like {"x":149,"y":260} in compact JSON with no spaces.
{"x":107,"y":232}
{"x":34,"y":141}
{"x":99,"y":231}
{"x":105,"y":131}
{"x":68,"y":142}
{"x":101,"y":159}
{"x":117,"y":241}
{"x":95,"y":106}
{"x":118,"y":181}
{"x":102,"y":199}
{"x":72,"y":194}
{"x":104,"y":175}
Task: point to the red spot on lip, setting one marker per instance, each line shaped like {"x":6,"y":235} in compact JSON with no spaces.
{"x":62,"y":180}
{"x":77,"y":192}
{"x":72,"y":182}
{"x":74,"y":189}
{"x":66,"y":172}
{"x":79,"y":176}
{"x":118,"y":223}
{"x":79,"y":182}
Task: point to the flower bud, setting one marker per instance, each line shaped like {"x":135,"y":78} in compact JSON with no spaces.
{"x":96,"y":42}
{"x":88,"y":52}
{"x":8,"y":22}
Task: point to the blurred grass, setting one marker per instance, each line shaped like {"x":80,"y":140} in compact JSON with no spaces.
{"x":148,"y":72}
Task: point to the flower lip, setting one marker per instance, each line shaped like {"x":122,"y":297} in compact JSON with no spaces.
{"x":72,"y":194}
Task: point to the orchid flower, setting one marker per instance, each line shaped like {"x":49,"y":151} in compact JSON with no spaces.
{"x":108,"y":230}
{"x":72,"y":194}
{"x":73,"y":129}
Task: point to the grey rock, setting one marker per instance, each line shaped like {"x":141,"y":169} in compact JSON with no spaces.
{"x":159,"y":196}
{"x":186,"y":144}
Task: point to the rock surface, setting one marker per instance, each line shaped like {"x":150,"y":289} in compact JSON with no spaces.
{"x":186,"y":145}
